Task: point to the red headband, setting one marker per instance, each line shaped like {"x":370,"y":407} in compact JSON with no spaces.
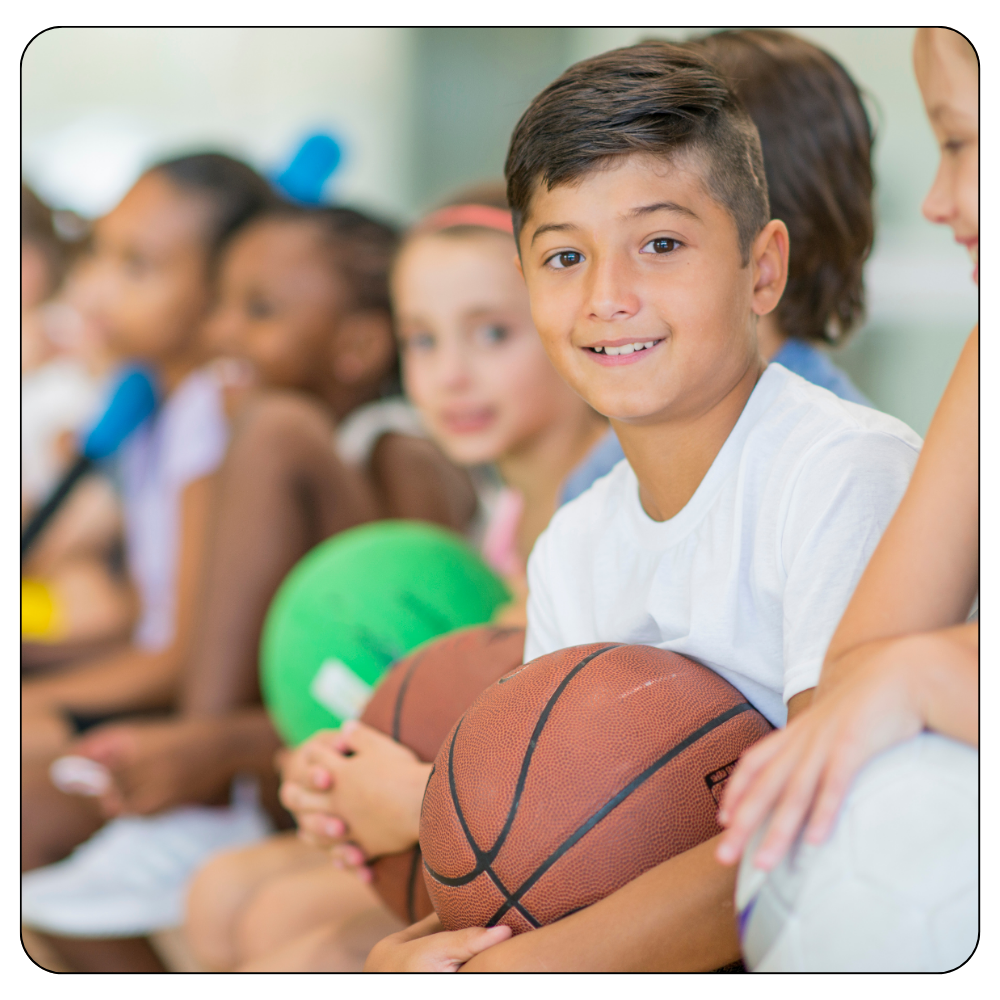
{"x":467,"y":215}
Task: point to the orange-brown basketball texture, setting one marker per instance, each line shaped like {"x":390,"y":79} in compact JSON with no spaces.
{"x":417,"y":703}
{"x":572,"y":776}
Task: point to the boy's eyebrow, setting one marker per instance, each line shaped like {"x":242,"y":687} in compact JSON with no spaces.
{"x":663,"y":206}
{"x":660,"y":206}
{"x":553,"y":227}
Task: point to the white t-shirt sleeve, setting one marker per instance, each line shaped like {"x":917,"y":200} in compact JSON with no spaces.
{"x":839,"y":506}
{"x":543,"y":632}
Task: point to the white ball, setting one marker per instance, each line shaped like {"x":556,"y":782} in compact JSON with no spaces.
{"x":893,"y":889}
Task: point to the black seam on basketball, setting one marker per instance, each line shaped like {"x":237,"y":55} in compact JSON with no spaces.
{"x":397,"y":710}
{"x":615,"y":801}
{"x":411,"y":886}
{"x":507,"y":896}
{"x":485,"y":858}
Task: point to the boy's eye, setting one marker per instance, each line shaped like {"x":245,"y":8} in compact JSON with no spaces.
{"x":564,"y":259}
{"x":661,"y":245}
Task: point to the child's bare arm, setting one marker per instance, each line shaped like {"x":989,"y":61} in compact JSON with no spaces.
{"x":924,"y":573}
{"x":415,"y":480}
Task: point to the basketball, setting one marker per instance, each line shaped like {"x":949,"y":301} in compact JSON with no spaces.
{"x":573,"y":775}
{"x":416,"y":704}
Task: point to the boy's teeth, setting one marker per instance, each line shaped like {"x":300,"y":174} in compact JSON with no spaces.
{"x":625,"y":348}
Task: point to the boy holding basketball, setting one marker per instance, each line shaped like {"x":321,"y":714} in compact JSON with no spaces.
{"x":751,"y":500}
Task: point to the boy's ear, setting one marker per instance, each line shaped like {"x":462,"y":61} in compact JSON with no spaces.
{"x":769,"y":259}
{"x":362,"y":349}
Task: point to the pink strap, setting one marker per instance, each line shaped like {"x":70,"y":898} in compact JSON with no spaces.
{"x":467,"y":215}
{"x":500,"y":538}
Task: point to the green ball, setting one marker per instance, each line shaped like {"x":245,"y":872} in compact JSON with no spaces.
{"x":357,"y":603}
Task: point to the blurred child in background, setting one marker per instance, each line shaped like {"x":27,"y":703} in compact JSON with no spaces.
{"x":476,"y":371}
{"x":147,"y":284}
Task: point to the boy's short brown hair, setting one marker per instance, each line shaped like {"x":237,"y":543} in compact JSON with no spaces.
{"x":816,"y":140}
{"x":653,"y":98}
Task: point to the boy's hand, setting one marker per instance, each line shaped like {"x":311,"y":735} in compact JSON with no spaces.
{"x":800,"y":774}
{"x":424,"y":947}
{"x":376,"y":791}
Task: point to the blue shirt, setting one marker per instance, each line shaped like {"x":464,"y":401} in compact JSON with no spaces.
{"x":796,"y":355}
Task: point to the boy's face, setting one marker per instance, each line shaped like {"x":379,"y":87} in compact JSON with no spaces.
{"x":640,"y":256}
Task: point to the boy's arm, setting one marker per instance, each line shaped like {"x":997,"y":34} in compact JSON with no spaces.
{"x":677,"y":917}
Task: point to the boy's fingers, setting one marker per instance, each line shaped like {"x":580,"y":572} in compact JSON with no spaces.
{"x":466,"y":944}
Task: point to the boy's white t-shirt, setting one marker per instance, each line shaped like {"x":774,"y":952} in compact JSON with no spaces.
{"x":185,"y":440}
{"x":752,"y":577}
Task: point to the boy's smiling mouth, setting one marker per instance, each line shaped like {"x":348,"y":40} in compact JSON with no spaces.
{"x":623,"y":352}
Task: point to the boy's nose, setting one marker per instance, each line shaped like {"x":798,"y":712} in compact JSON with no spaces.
{"x":611,"y":295}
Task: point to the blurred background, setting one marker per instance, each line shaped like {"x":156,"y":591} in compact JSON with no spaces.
{"x":417,"y":111}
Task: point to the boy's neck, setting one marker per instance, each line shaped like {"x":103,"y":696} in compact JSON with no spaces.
{"x":770,"y":337}
{"x":670,"y":459}
{"x":537,"y":469}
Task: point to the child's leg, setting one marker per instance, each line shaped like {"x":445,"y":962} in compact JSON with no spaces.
{"x":52,"y":823}
{"x":224,"y":886}
{"x":282,"y":491}
{"x":338,"y":946}
{"x":291,"y":905}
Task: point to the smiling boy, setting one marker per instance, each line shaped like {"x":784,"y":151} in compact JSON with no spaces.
{"x":751,"y":499}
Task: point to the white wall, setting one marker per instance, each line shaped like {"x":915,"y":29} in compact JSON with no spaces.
{"x":99,"y":103}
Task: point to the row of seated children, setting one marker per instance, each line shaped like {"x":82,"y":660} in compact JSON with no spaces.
{"x":280,"y":905}
{"x":430,"y":336}
{"x":257,"y":257}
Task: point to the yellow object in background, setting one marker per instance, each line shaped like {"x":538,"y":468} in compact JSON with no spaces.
{"x":41,"y":617}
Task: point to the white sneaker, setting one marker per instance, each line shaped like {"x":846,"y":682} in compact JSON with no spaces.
{"x":130,"y":878}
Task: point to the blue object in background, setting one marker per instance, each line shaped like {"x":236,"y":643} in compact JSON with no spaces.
{"x":132,"y":401}
{"x":304,"y":178}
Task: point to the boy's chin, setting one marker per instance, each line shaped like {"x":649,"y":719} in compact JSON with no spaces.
{"x":625,"y":409}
